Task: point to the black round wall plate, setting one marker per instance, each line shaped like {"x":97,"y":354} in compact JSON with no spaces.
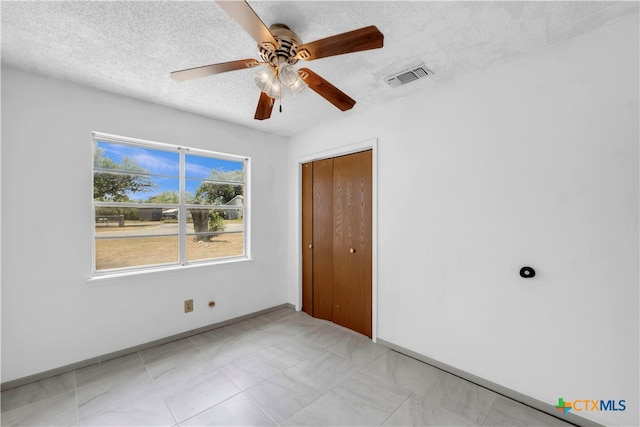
{"x":527,"y":272}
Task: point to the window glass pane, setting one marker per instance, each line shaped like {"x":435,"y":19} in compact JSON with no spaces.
{"x":122,"y":187}
{"x":123,"y":222}
{"x":202,"y":167}
{"x":136,"y":252}
{"x":214,"y":233}
{"x":153,"y":174}
{"x":218,"y":246}
{"x":211,"y":193}
{"x":131,"y":158}
{"x":213,"y":181}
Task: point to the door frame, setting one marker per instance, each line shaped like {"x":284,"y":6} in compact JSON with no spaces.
{"x":369,"y":144}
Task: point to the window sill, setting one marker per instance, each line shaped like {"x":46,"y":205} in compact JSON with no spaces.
{"x":106,"y":278}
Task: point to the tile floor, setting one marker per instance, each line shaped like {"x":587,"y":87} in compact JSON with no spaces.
{"x":281,"y":368}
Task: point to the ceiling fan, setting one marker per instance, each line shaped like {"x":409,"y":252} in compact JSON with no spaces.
{"x":280,"y":48}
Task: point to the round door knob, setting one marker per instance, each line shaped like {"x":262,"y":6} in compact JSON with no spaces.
{"x":352,"y":250}
{"x":310,"y":246}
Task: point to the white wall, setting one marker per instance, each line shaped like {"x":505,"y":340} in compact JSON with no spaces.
{"x":51,"y":316}
{"x":533,"y":162}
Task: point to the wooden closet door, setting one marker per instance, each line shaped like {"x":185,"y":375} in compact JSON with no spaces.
{"x":307,"y":238}
{"x":322,"y":239}
{"x":351,"y":294}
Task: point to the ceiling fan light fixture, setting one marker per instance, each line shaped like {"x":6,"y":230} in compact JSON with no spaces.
{"x":273,"y":81}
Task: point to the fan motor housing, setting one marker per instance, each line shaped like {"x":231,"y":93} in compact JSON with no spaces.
{"x":288,"y":41}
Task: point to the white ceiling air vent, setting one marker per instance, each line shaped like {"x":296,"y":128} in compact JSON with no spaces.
{"x":407,"y":76}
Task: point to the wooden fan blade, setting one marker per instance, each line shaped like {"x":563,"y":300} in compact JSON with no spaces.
{"x":244,"y":15}
{"x":327,"y":90}
{"x":265,"y":105}
{"x":208,"y":70}
{"x":353,"y":41}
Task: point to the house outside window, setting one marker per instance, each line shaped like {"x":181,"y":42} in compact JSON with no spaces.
{"x":157,"y":205}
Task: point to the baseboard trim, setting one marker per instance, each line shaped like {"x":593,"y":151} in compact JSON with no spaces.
{"x":507,"y":392}
{"x":105,"y":357}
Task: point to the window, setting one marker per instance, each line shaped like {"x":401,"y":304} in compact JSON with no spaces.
{"x":158,"y":205}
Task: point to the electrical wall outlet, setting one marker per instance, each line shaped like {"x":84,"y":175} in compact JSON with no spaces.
{"x":188,"y":306}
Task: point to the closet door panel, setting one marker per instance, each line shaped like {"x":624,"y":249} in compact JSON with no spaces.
{"x":322,"y":239}
{"x":342,"y":240}
{"x":307,"y":238}
{"x":361,"y":274}
{"x":352,"y":242}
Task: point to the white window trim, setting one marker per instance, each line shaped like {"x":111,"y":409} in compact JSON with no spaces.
{"x":182,"y":264}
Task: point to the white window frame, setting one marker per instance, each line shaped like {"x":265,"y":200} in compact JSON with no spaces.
{"x":182,"y":207}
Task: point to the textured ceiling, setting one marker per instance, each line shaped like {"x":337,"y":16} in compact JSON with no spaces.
{"x":131,"y":47}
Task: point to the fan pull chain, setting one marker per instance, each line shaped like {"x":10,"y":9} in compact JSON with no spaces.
{"x":281,"y":105}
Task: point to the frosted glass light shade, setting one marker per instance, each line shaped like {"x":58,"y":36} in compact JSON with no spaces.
{"x":297,"y":86}
{"x":274,"y":90}
{"x":287,"y":73}
{"x":264,"y":78}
